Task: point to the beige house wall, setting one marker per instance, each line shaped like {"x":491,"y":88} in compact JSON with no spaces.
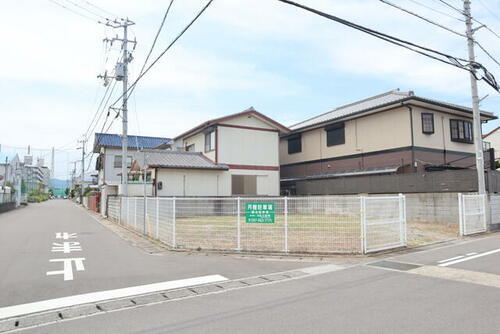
{"x":247,"y":147}
{"x":199,"y":145}
{"x":494,"y":139}
{"x":185,"y":182}
{"x":441,"y":138}
{"x":250,"y":121}
{"x":376,"y":132}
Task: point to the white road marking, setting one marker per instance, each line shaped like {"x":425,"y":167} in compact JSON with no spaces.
{"x":451,"y":259}
{"x":469,"y":254}
{"x":469,"y":258}
{"x":65,"y":235}
{"x":66,"y":247}
{"x":321,"y":269}
{"x":68,"y":267}
{"x":93,"y":297}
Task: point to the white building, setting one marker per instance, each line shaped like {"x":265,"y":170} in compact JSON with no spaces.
{"x":246,"y":144}
{"x":109,"y":161}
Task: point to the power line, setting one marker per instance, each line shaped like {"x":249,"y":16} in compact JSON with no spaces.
{"x":489,"y":10}
{"x":86,"y":9}
{"x":75,"y":12}
{"x":132,"y":86}
{"x":487,"y":53}
{"x":435,"y":10}
{"x":98,"y":108}
{"x":425,"y":51}
{"x":422,"y":18}
{"x":447,"y":4}
{"x":99,"y":8}
{"x":156,"y":37}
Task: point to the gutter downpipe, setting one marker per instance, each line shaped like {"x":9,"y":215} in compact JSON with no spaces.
{"x":412,"y":137}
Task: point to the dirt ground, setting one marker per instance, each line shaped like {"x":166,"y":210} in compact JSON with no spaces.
{"x":423,"y":233}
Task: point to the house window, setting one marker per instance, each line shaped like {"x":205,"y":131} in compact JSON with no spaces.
{"x":210,"y":141}
{"x":190,"y":148}
{"x":117,"y":163}
{"x":461,"y":131}
{"x":335,"y":134}
{"x":295,"y":144}
{"x":427,"y":123}
{"x":139,"y":177}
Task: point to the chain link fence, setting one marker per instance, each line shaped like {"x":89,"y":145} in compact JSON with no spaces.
{"x":330,"y":224}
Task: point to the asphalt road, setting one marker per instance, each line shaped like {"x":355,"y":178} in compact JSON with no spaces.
{"x":27,"y":236}
{"x":356,"y":300}
{"x":442,"y":293}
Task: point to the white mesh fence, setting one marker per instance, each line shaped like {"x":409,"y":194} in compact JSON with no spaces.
{"x":384,"y":222}
{"x":114,"y":208}
{"x":330,"y":224}
{"x":495,"y":209}
{"x":472,"y":214}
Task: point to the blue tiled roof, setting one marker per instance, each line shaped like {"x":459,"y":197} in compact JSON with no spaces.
{"x":134,"y":142}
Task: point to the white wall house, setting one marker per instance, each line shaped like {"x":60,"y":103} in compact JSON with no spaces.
{"x":246,"y":143}
{"x":109,"y":161}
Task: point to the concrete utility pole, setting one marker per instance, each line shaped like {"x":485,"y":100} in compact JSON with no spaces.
{"x":478,"y":139}
{"x":52,"y":164}
{"x":83,"y":141}
{"x":121,"y":74}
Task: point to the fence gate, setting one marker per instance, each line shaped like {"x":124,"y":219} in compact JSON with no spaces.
{"x":383,"y":223}
{"x":472,"y":214}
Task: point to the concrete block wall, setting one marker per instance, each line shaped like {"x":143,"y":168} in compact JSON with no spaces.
{"x":432,"y":207}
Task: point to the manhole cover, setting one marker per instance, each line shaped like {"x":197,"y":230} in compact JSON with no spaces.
{"x":394,"y":265}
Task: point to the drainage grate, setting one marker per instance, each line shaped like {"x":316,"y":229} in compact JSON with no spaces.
{"x":394,"y":265}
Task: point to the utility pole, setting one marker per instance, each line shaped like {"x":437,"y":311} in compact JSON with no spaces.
{"x":478,"y":139}
{"x":83,"y":141}
{"x":121,"y":74}
{"x":52,"y":174}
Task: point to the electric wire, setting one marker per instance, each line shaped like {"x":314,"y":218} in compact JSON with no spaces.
{"x":98,"y":109}
{"x":447,"y":4}
{"x":461,"y":63}
{"x":131,"y":88}
{"x":487,"y":53}
{"x":436,"y":10}
{"x":422,"y":18}
{"x":86,"y":9}
{"x":156,"y":36}
{"x":489,"y":10}
{"x":99,"y":8}
{"x":75,"y":12}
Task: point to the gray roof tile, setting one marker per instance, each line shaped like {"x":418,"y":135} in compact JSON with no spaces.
{"x":173,"y":159}
{"x":393,"y":96}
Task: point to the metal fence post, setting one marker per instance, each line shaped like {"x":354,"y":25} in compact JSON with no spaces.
{"x":485,"y":201}
{"x":238,"y":226}
{"x":145,"y":214}
{"x":129,"y":221}
{"x":402,"y":219}
{"x":120,"y":211}
{"x":135,"y":213}
{"x":157,"y":218}
{"x":286,"y":224}
{"x":173,"y":223}
{"x":460,"y":214}
{"x":362,"y":220}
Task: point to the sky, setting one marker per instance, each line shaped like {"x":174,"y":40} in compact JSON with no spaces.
{"x":286,"y":63}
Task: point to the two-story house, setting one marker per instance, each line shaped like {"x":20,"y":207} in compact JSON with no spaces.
{"x":243,"y":151}
{"x":394,"y":132}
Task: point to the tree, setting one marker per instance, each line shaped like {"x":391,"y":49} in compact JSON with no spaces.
{"x":66,"y":192}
